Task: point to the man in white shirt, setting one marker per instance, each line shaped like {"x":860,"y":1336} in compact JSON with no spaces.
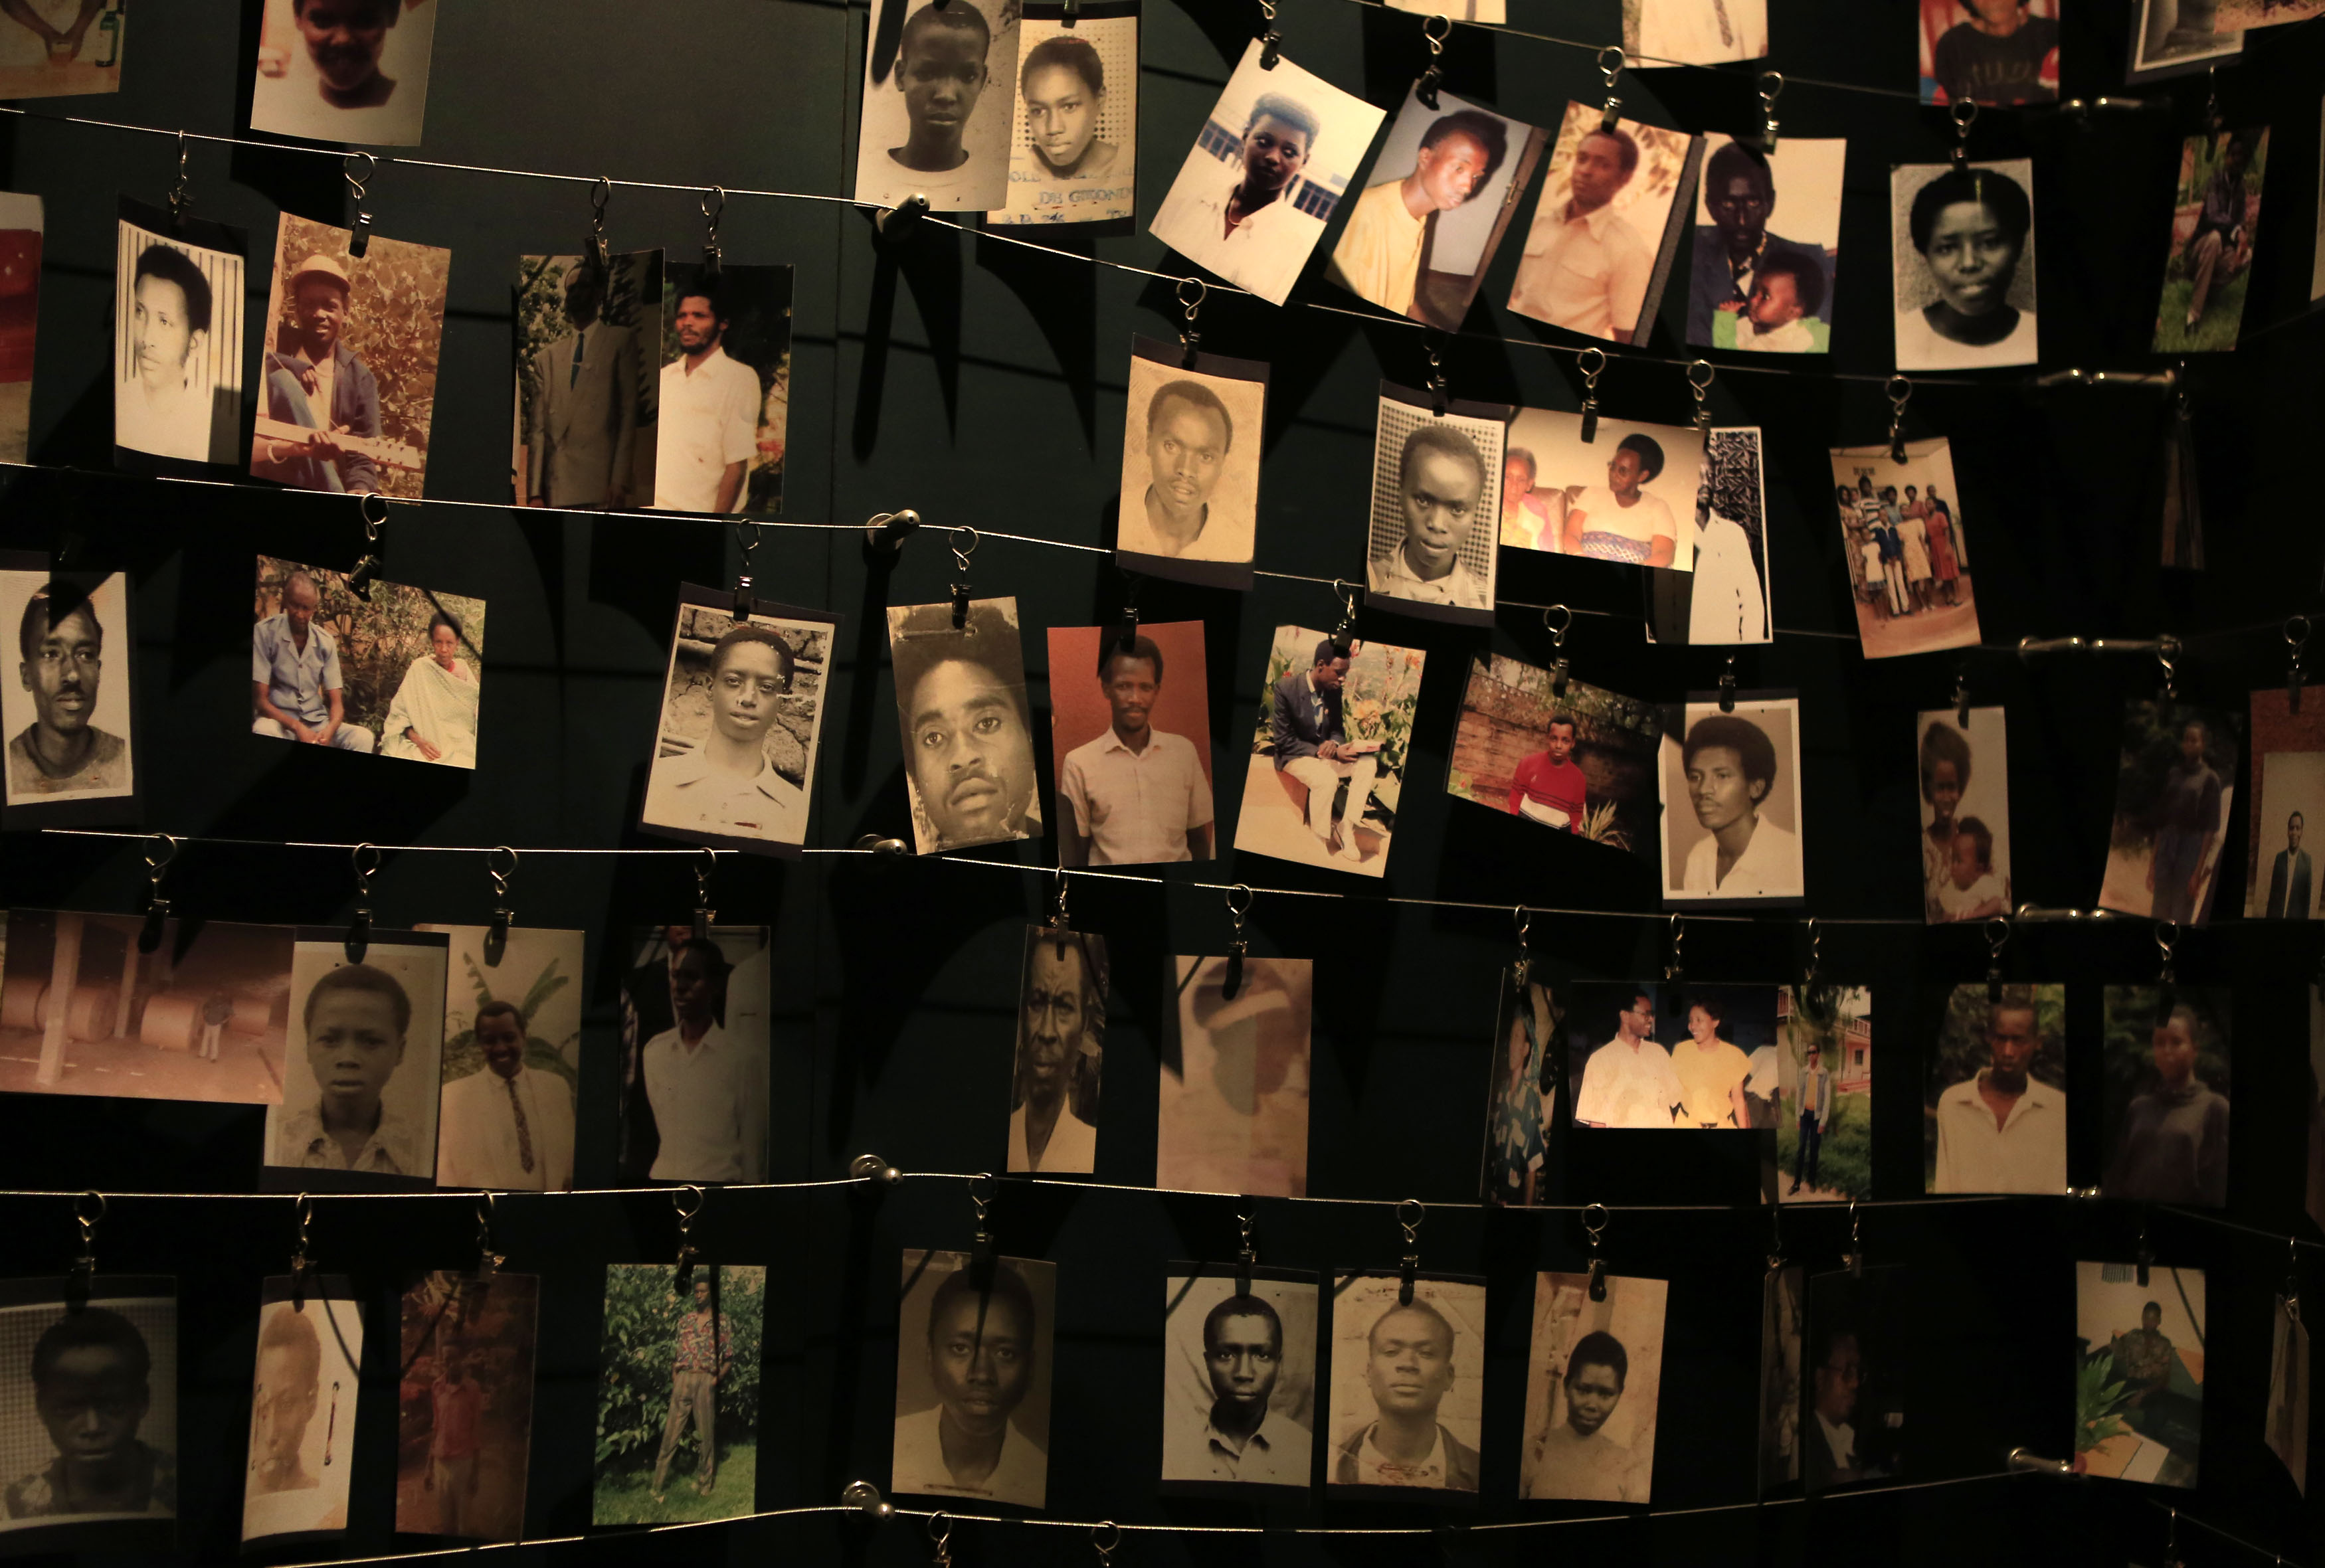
{"x":1585,"y":267}
{"x":1408,"y":1370}
{"x":160,"y":409}
{"x":1629,"y":1081}
{"x":726,"y":788}
{"x":709,"y":1096}
{"x":2003,"y":1130}
{"x":981,"y":1349}
{"x":1059,"y":998}
{"x":1701,"y":31}
{"x":1137,"y":796}
{"x":1577,"y":1459}
{"x":508,"y":1127}
{"x":1441,"y":481}
{"x":1249,"y":233}
{"x":1725,"y":603}
{"x":1240,"y":1438}
{"x":1380,"y":252}
{"x":707,"y":423}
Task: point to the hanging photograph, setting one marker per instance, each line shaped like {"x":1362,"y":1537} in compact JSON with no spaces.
{"x":68,"y":722}
{"x":1328,"y":760}
{"x":1616,"y":497}
{"x":1996,"y":53}
{"x":1485,"y":11}
{"x":344,"y":70}
{"x":725,"y":395}
{"x":1715,"y":1034}
{"x":1908,"y":561}
{"x":201,"y":1017}
{"x":741,"y":719}
{"x":2215,"y":222}
{"x":512,"y":1059}
{"x":2173,"y":791}
{"x":1965,"y":773}
{"x":2288,"y":782}
{"x":1961,"y":243}
{"x":1594,"y":1374}
{"x":1436,"y":478}
{"x":20,"y":318}
{"x":2172,"y":38}
{"x":1823,"y":1109}
{"x":1860,"y":1359}
{"x":2313,"y":1194}
{"x":1750,"y":288}
{"x":1521,"y":1092}
{"x":1580,"y":763}
{"x":2285,"y":1426}
{"x":61,"y":47}
{"x":366,"y":1051}
{"x":695,"y":1046}
{"x":1075,"y":157}
{"x":589,"y":380}
{"x":1621,"y":1074}
{"x":1997,"y":1105}
{"x":348,"y":375}
{"x":1418,"y":241}
{"x":1408,"y":1387}
{"x":2166,"y":1111}
{"x":969,"y":773}
{"x":1783,"y":1305}
{"x":1272,"y":161}
{"x":1605,"y":226}
{"x":2139,"y":1373}
{"x":1693,"y":31}
{"x":176,"y":342}
{"x":88,"y":1415}
{"x":1060,"y":1055}
{"x":1730,"y":788}
{"x":1189,"y":493}
{"x":1133,"y":739}
{"x":463,"y":1405}
{"x":1723,"y":600}
{"x":973,"y":1378}
{"x":410,"y":683}
{"x":1232,"y":1111}
{"x":1240,"y":1395}
{"x":2243,"y":13}
{"x":2316,"y":259}
{"x":302,"y":1408}
{"x":933,"y":122}
{"x":678,"y":1393}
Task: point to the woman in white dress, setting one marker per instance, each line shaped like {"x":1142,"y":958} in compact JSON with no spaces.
{"x":433,"y":719}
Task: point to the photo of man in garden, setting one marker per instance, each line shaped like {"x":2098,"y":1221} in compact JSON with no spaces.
{"x":678,"y":1397}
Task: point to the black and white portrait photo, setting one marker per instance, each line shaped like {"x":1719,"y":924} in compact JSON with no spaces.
{"x":589,"y":354}
{"x":1060,"y":1055}
{"x":1694,"y":31}
{"x":1752,"y":288}
{"x":397,"y":670}
{"x":67,"y":716}
{"x":1996,"y":1115}
{"x":1907,"y":552}
{"x":695,"y":1044}
{"x":366,"y":1048}
{"x":741,"y":718}
{"x":1606,"y":226}
{"x":2172,"y":38}
{"x":1594,"y":1375}
{"x":512,"y":1059}
{"x":1731,"y":794}
{"x":2148,"y":1341}
{"x":969,"y":771}
{"x":21,"y":234}
{"x":1130,"y":726}
{"x":1408,"y":1387}
{"x":938,"y":115}
{"x":1436,"y":487}
{"x":1190,"y":443}
{"x":2167,"y":1094}
{"x":302,"y":1408}
{"x":2288,"y":785}
{"x":1724,"y":601}
{"x":344,"y":70}
{"x":1860,"y":1366}
{"x":723,"y":411}
{"x":1239,"y":1395}
{"x":88,"y":1415}
{"x":61,"y":47}
{"x":1445,"y":183}
{"x":1272,"y":162}
{"x":1627,"y":495}
{"x":1965,"y":779}
{"x":1784,"y":1311}
{"x":973,"y":1378}
{"x":1232,"y":1103}
{"x":1522,"y":1077}
{"x":1075,"y":153}
{"x":1962,"y":258}
{"x":1334,"y":726}
{"x":2175,"y":786}
{"x":176,"y":342}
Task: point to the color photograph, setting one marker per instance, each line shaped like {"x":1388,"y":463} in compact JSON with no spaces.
{"x":695,"y":1046}
{"x":678,"y":1393}
{"x":1619,"y":496}
{"x":1594,"y":1374}
{"x":1751,"y":288}
{"x":723,"y":407}
{"x":2167,"y":1090}
{"x":21,"y":224}
{"x":1860,"y":1363}
{"x":303,"y":1410}
{"x":1996,"y":53}
{"x":512,"y":1059}
{"x":1408,"y":1387}
{"x":1965,"y":779}
{"x":2173,"y":793}
{"x":2180,"y":37}
{"x":1521,"y":1092}
{"x":463,"y":1405}
{"x":969,"y":773}
{"x":2215,"y":224}
{"x":1239,"y":1395}
{"x":2139,"y":1373}
{"x":344,"y":70}
{"x":1189,"y":492}
{"x":176,"y":349}
{"x":973,"y":1378}
{"x":1961,"y":243}
{"x":51,"y":49}
{"x":1730,"y":788}
{"x":396,"y":670}
{"x":1436,"y":491}
{"x":1232,"y":1109}
{"x":1997,"y":1117}
{"x":1130,"y":727}
{"x":1328,"y":762}
{"x":1075,"y":157}
{"x":2288,"y":780}
{"x":1606,"y":226}
{"x":938,"y":117}
{"x":1693,"y":31}
{"x":1902,"y":535}
{"x":1784,"y":1305}
{"x":1582,"y":764}
{"x":588,"y":379}
{"x":1824,"y":1104}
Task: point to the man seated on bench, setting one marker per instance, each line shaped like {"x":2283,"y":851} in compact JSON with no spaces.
{"x":1306,"y":735}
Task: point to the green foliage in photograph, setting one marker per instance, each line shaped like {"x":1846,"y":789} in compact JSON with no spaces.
{"x":463,"y":1056}
{"x":637,"y":1347}
{"x":1961,"y":1049}
{"x":377,"y":640}
{"x":2152,"y":733}
{"x":2127,"y":1061}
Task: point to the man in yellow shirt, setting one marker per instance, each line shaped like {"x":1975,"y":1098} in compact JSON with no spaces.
{"x":1380,"y":252}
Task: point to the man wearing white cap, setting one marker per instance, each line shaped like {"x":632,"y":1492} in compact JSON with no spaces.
{"x":322,"y":385}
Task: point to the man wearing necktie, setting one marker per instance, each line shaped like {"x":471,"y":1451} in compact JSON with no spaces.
{"x":508,"y":1127}
{"x":582,"y":407}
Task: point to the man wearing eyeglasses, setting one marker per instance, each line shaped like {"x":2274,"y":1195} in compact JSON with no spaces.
{"x":1441,"y":481}
{"x":62,"y":751}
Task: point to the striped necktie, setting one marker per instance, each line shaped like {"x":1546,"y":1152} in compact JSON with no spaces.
{"x":524,"y":1128}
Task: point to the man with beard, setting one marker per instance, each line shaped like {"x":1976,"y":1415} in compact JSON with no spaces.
{"x":1243,"y":1352}
{"x":725,"y":786}
{"x":1578,"y":1459}
{"x":1441,"y":479}
{"x":708,"y":421}
{"x":1409,"y":1371}
{"x":1137,"y":795}
{"x":92,"y":1386}
{"x":582,"y":411}
{"x":1249,"y":233}
{"x":1309,"y":741}
{"x":1189,"y":432}
{"x":1585,"y":267}
{"x":968,"y":746}
{"x":62,"y":751}
{"x":1547,"y":787}
{"x":981,"y":1350}
{"x":295,"y":675}
{"x":1629,"y":1081}
{"x":1739,"y":191}
{"x":160,"y":408}
{"x":2003,"y":1129}
{"x":1389,"y":229}
{"x":707,"y":1092}
{"x":290,"y":1382}
{"x":509,"y":1127}
{"x":703,"y":1357}
{"x":1060,"y":996}
{"x":941,"y":72}
{"x":319,"y":384}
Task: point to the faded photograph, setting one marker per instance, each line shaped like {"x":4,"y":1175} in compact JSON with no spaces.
{"x":1605,"y":227}
{"x":969,"y":773}
{"x":1694,"y":31}
{"x":723,"y":407}
{"x":463,"y":1405}
{"x":2172,"y":38}
{"x":302,"y":1408}
{"x":1189,"y":487}
{"x":365,"y":1042}
{"x":61,"y":47}
{"x":177,"y":340}
{"x":1961,"y":243}
{"x":695,"y":1047}
{"x":2173,"y":791}
{"x":512,"y":1059}
{"x":2285,"y":1425}
{"x":1408,"y":1386}
{"x":344,"y":70}
{"x":1436,"y":490}
{"x":1594,"y":1375}
{"x":1329,"y":759}
{"x":88,"y":1413}
{"x":678,"y":1364}
{"x":1724,"y":599}
{"x":1239,"y":1395}
{"x":1908,"y":558}
{"x":973,"y":1378}
{"x":2288,"y":783}
{"x":21,"y":227}
{"x":1521,"y":1092}
{"x":1823,"y":1107}
{"x":1616,"y":497}
{"x":1998,"y":1106}
{"x":588,"y":379}
{"x":1132,"y":741}
{"x":1965,"y":777}
{"x":2165,"y":1051}
{"x":1075,"y":157}
{"x":1783,"y":1307}
{"x":66,"y":720}
{"x":2139,"y":1373}
{"x":1232,"y":1115}
{"x":1730,"y":786}
{"x":1061,"y":1057}
{"x":1751,"y":288}
{"x":1582,"y":763}
{"x":2215,"y":222}
{"x":2003,"y":52}
{"x":1860,"y":1355}
{"x":933,"y":122}
{"x":395,"y":670}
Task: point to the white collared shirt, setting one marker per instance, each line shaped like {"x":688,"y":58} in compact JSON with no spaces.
{"x":2027,"y":1153}
{"x":391,"y":1149}
{"x":693,"y":794}
{"x":1021,"y":1474}
{"x":1769,"y":867}
{"x":1072,"y":1146}
{"x":1460,"y":587}
{"x":1588,"y":274}
{"x":1278,"y":1453}
{"x":1137,"y":807}
{"x":476,"y":1143}
{"x":710,"y":1109}
{"x":1626,"y":1086}
{"x":1724,"y":602}
{"x":1264,"y":253}
{"x":709,"y":417}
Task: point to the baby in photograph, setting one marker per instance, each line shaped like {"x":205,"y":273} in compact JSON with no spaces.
{"x":1972,"y":891}
{"x":1788,"y":290}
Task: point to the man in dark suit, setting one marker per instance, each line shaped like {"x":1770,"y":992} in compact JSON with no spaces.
{"x":1830,"y":1451}
{"x":2288,"y":879}
{"x":1309,"y":742}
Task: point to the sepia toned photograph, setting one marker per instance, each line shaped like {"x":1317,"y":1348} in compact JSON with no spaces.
{"x":1724,"y":600}
{"x":512,"y":1059}
{"x":2139,"y":1373}
{"x":1447,"y":181}
{"x":176,"y":342}
{"x":2288,"y":783}
{"x":1189,"y":492}
{"x":1232,"y":1110}
{"x":1594,"y":1375}
{"x":724,"y":402}
{"x":589,"y":353}
{"x":1075,"y":157}
{"x":348,"y":387}
{"x":88,"y":1414}
{"x":1436,"y":478}
{"x":1621,"y":1073}
{"x":344,"y":70}
{"x":1487,"y":11}
{"x":741,"y":722}
{"x":1606,"y":226}
{"x":973,"y":1378}
{"x":51,"y":49}
{"x":2215,"y":222}
{"x":2000,"y":53}
{"x":1521,"y":1092}
{"x":21,"y":235}
{"x":2285,"y":1426}
{"x":396,"y":670}
{"x":1751,"y":288}
{"x":1860,"y":1354}
{"x":1268,"y":168}
{"x":1961,"y":243}
{"x":1061,"y":1057}
{"x":302,"y":1408}
{"x":1730,"y":786}
{"x":939,"y":117}
{"x":1693,"y":31}
{"x":1901,"y":530}
{"x":1621,"y":496}
{"x":1240,"y":1395}
{"x":678,"y":1364}
{"x":1582,"y":763}
{"x":969,"y":773}
{"x":1408,"y":1387}
{"x":2165,"y":1052}
{"x":1328,"y":761}
{"x":1965,"y":776}
{"x":1823,"y":1108}
{"x":695,"y":1044}
{"x":2243,"y":13}
{"x":2172,"y":38}
{"x":2173,"y":791}
{"x":1783,"y":1311}
{"x":365,"y":1048}
{"x":84,"y":1010}
{"x":68,"y":721}
{"x":1997,"y":1105}
{"x":463,"y":1405}
{"x":1133,"y":739}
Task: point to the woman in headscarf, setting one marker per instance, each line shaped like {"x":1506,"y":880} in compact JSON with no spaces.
{"x":433,"y":719}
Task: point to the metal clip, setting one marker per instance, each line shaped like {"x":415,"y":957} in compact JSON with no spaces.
{"x":1702,"y":409}
{"x":84,"y":1268}
{"x":601,"y":196}
{"x":981,"y":1199}
{"x":1349,"y":598}
{"x":1594,"y":1225}
{"x":359,"y":929}
{"x":703,"y":913}
{"x":1425,"y":89}
{"x":2291,"y":1291}
{"x":496,"y":935}
{"x":712,"y":256}
{"x":2213,"y":121}
{"x":1058,"y":921}
{"x":1997,"y":938}
{"x":488,"y":1262}
{"x":1775,"y":1237}
{"x":748,"y":534}
{"x":2167,"y":654}
{"x":1557,"y":631}
{"x":2295,"y":642}
{"x":1522,"y":918}
{"x":303,"y":1211}
{"x":1437,"y":399}
{"x":897,"y":220}
{"x":1246,"y":1255}
{"x":1238,"y":946}
{"x":687,"y":1251}
{"x":1856,"y":1258}
{"x":2167,"y":937}
{"x":2143,"y":1256}
{"x":1102,"y":1546}
{"x":1964,"y":113}
{"x":1816,"y":952}
{"x":367,"y":566}
{"x":939,"y":1528}
{"x":960,"y":588}
{"x":1961,"y":693}
{"x":1070,"y":14}
{"x":1772,"y":84}
{"x":180,"y":196}
{"x":1611,"y":113}
{"x":160,"y":851}
{"x":1675,"y":967}
{"x":1727,"y":686}
{"x":1412,"y":1264}
{"x":1127,"y":643}
{"x":1270,"y":41}
{"x":1592,"y":362}
{"x":359,"y":232}
{"x":1191,"y":337}
{"x":1900,"y":389}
